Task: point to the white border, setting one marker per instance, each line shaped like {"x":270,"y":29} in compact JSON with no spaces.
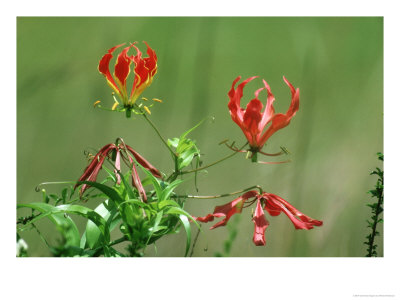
{"x":261,"y":278}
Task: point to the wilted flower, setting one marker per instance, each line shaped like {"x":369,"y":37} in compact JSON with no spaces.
{"x":252,"y":121}
{"x":145,"y":68}
{"x":273,"y":204}
{"x":92,"y":170}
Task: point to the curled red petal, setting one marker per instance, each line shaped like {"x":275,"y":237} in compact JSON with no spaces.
{"x":260,"y":225}
{"x":269,"y":110}
{"x":122,"y":68}
{"x":280,"y":121}
{"x":251,"y":120}
{"x":206,"y":219}
{"x":141,"y":160}
{"x":118,"y":166}
{"x":228,"y":210}
{"x":236,"y":112}
{"x":294,"y":105}
{"x":136,"y":182}
{"x":141,"y":74}
{"x":272,"y":209}
{"x":92,"y":170}
{"x":151,"y":61}
{"x":299,"y":220}
{"x":104,"y":68}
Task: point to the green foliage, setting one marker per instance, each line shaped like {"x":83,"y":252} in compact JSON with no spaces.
{"x":376,"y":211}
{"x":185,"y":149}
{"x":140,"y":223}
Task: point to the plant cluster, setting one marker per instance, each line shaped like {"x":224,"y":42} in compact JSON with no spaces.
{"x":138,"y":201}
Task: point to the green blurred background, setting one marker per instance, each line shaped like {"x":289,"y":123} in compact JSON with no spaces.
{"x":336,"y":62}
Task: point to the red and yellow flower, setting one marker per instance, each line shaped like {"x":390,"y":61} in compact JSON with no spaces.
{"x":145,"y":68}
{"x":273,"y":204}
{"x":252,"y":120}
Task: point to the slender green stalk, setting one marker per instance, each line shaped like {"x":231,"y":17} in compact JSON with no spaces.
{"x":195,"y":241}
{"x":41,"y":236}
{"x":214,"y":163}
{"x":221,"y":195}
{"x":159,"y":134}
{"x":37,"y":188}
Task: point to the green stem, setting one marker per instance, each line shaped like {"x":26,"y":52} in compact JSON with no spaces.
{"x":214,"y":163}
{"x":195,"y":241}
{"x":159,"y":134}
{"x":37,"y":188}
{"x":221,"y":195}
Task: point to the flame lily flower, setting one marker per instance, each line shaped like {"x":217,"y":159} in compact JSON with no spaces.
{"x":144,"y":70}
{"x":92,"y":170}
{"x":273,"y":204}
{"x":252,"y":121}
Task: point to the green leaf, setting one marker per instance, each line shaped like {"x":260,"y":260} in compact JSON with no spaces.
{"x":90,"y":214}
{"x":109,"y":192}
{"x":165,"y":203}
{"x":186,"y":158}
{"x":166,"y":193}
{"x":156,"y":226}
{"x":154,"y":180}
{"x":191,"y":129}
{"x":93,"y":233}
{"x":180,"y":211}
{"x":63,"y":223}
{"x":173,"y":142}
{"x":128,"y":188}
{"x":185,"y":222}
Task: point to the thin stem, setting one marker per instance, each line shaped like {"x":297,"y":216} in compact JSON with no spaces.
{"x":159,"y":134}
{"x":41,"y":236}
{"x":37,"y":188}
{"x":214,"y":163}
{"x":221,"y":195}
{"x":195,"y":241}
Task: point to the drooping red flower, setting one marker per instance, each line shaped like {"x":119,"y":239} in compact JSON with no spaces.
{"x":92,"y":170}
{"x":252,"y":120}
{"x":273,"y":204}
{"x":144,"y":70}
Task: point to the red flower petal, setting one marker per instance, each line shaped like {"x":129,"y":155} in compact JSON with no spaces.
{"x":136,"y":182}
{"x":280,"y":121}
{"x":92,"y":170}
{"x":251,"y":120}
{"x":104,"y":68}
{"x":260,"y":225}
{"x":227,"y":210}
{"x":151,"y":61}
{"x":269,"y":108}
{"x":122,"y":69}
{"x":272,"y":208}
{"x":118,"y":166}
{"x":141,"y":160}
{"x":237,"y":113}
{"x":294,"y":105}
{"x":305,"y":222}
